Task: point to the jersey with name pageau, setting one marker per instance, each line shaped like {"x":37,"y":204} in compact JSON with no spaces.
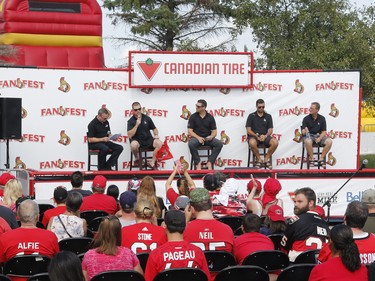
{"x":175,"y":254}
{"x":210,"y":235}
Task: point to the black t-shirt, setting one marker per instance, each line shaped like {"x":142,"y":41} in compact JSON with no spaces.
{"x":259,"y":125}
{"x":315,"y":126}
{"x":83,"y":192}
{"x":97,"y":129}
{"x":304,"y":230}
{"x":143,"y":134}
{"x":8,"y":215}
{"x":202,"y":126}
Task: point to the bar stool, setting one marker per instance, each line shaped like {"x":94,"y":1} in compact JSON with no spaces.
{"x":95,"y":152}
{"x":145,"y":155}
{"x":262,"y":153}
{"x":205,"y":152}
{"x":316,"y":154}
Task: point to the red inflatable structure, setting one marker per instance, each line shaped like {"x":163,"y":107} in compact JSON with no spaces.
{"x":53,"y":33}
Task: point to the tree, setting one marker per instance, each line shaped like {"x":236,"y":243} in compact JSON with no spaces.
{"x":312,"y":34}
{"x":173,"y":24}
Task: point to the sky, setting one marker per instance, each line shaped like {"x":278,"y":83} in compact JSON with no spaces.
{"x":116,"y":55}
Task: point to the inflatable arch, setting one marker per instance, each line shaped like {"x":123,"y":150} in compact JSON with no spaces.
{"x":53,"y":33}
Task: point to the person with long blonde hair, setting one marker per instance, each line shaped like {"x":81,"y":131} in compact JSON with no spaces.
{"x":147,"y":191}
{"x":12,"y":191}
{"x":107,"y":253}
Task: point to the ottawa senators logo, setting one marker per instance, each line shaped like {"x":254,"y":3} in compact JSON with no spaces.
{"x":223,"y":112}
{"x":64,"y":138}
{"x":220,"y":162}
{"x":144,"y":111}
{"x":60,"y":164}
{"x":331,"y":134}
{"x":299,"y":88}
{"x":146,"y":90}
{"x":19,"y":163}
{"x":334,"y":111}
{"x":331,"y":159}
{"x":103,"y":85}
{"x":109,"y":112}
{"x":224,"y":138}
{"x":294,"y":160}
{"x":23,"y":113}
{"x":297,"y":136}
{"x":20,"y":84}
{"x":297,"y":111}
{"x":224,"y":91}
{"x":62,"y":111}
{"x":185,"y":113}
{"x":333,"y":85}
{"x":64,"y":86}
{"x":184,"y":138}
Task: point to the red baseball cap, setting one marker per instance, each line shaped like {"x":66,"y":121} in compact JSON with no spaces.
{"x":271,"y":188}
{"x":250,"y":185}
{"x":5,"y":177}
{"x":99,"y":182}
{"x":276,"y":213}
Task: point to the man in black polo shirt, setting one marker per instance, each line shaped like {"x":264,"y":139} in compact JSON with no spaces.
{"x":259,"y":128}
{"x":98,"y":136}
{"x":314,"y":129}
{"x":202,"y":129}
{"x":139,"y":127}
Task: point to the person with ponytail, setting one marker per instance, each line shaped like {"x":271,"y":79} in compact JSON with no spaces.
{"x":184,"y":185}
{"x":345,"y":264}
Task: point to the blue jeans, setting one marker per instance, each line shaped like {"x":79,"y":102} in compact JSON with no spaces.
{"x":214,"y":143}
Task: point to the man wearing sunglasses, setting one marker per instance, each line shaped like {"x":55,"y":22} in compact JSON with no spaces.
{"x":139,"y":127}
{"x":202,"y":129}
{"x":259,"y":128}
{"x":98,"y":136}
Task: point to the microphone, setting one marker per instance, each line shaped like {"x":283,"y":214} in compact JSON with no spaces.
{"x":364,"y":163}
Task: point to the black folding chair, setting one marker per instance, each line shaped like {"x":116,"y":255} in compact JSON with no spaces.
{"x":90,"y":215}
{"x":268,"y":260}
{"x":276,"y":240}
{"x":4,"y":278}
{"x":242,"y":272}
{"x":233,"y":222}
{"x":42,"y":208}
{"x":181,"y":274}
{"x":310,"y":256}
{"x":77,"y":245}
{"x":116,"y":275}
{"x":39,"y":277}
{"x":143,"y":257}
{"x":296,"y":272}
{"x":26,"y":265}
{"x":218,"y":260}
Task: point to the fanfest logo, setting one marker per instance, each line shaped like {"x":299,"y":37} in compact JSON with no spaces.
{"x":261,"y":87}
{"x":32,"y":138}
{"x":64,"y":86}
{"x":339,"y":134}
{"x":224,"y":138}
{"x":149,"y":68}
{"x":105,"y":85}
{"x":64,"y":138}
{"x":297,"y":136}
{"x":221,"y":162}
{"x":177,"y":138}
{"x":223,"y":112}
{"x":23,"y":113}
{"x":19,"y":164}
{"x":298,"y":87}
{"x":293,"y":111}
{"x":331,"y":160}
{"x":63,"y":111}
{"x":294,"y":160}
{"x":334,"y":86}
{"x":185,"y":113}
{"x":126,"y":165}
{"x":334,"y":111}
{"x":62,"y":164}
{"x":20,"y":84}
{"x":147,"y":111}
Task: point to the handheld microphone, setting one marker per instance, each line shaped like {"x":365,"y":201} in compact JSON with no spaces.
{"x":364,"y":163}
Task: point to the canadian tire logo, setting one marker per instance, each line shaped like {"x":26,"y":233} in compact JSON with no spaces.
{"x":149,"y":68}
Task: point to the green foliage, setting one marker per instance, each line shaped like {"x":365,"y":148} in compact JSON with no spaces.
{"x":172,"y":24}
{"x":312,"y":34}
{"x":371,"y":160}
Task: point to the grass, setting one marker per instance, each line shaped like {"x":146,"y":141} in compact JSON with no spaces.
{"x":371,"y":160}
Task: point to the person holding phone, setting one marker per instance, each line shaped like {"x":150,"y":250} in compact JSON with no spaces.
{"x":139,"y":131}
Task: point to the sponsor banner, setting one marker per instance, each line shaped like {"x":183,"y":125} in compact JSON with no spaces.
{"x":57,"y":106}
{"x":153,"y":69}
{"x":323,"y":187}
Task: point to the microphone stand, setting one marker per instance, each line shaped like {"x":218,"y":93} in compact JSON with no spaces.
{"x":328,"y":201}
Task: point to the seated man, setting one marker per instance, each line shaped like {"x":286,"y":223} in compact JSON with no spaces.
{"x":202,"y":129}
{"x":314,"y":129}
{"x":98,"y":136}
{"x":139,"y":126}
{"x":259,"y":128}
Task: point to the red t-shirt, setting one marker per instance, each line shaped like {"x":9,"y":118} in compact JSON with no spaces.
{"x":52,"y":213}
{"x":249,"y":243}
{"x":4,"y":226}
{"x":98,"y":201}
{"x":334,"y":269}
{"x":209,"y":235}
{"x":366,"y":248}
{"x":172,"y":196}
{"x":143,"y":237}
{"x":175,"y":254}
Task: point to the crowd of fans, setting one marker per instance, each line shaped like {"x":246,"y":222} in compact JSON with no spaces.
{"x":139,"y":222}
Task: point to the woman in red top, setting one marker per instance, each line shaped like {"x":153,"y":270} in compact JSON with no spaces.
{"x":345,"y":264}
{"x":184,"y":185}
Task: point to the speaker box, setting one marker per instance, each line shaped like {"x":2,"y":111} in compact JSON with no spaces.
{"x":10,"y":118}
